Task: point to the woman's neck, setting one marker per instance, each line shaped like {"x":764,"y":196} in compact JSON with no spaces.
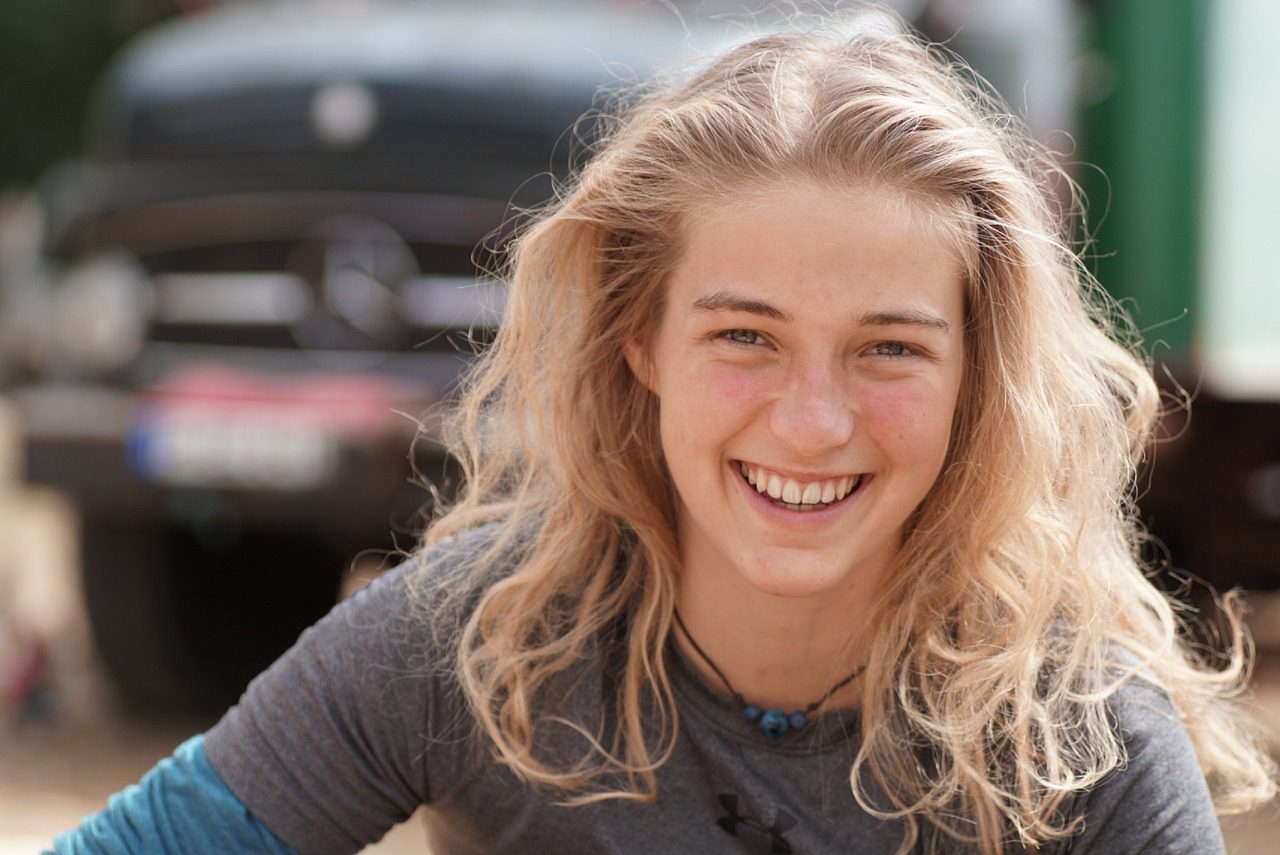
{"x":775,"y":651}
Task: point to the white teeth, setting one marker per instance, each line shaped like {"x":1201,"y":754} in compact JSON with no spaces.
{"x":775,"y":487}
{"x":792,"y":492}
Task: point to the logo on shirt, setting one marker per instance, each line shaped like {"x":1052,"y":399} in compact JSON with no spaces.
{"x":752,"y":831}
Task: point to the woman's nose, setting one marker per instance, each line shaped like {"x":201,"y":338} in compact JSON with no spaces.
{"x":815,"y":412}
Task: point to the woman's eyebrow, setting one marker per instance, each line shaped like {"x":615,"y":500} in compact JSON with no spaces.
{"x":727,"y":301}
{"x":910,"y":317}
{"x":722,"y":301}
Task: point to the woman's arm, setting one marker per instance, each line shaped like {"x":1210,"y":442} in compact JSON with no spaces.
{"x":181,"y":805}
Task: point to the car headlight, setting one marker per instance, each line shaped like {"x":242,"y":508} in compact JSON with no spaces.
{"x":101,"y":309}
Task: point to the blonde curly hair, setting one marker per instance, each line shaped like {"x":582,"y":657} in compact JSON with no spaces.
{"x":1018,"y":604}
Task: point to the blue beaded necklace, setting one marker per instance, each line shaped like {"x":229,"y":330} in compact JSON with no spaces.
{"x":774,"y":723}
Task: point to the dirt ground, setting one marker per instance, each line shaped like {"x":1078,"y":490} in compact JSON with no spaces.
{"x":72,"y":752}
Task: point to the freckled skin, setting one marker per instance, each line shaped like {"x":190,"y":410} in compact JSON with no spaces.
{"x":820,"y":392}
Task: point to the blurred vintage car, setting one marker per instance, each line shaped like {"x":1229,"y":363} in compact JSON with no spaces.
{"x":262,"y":279}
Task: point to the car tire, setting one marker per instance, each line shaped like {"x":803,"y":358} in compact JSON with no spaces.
{"x":128,"y":596}
{"x":183,"y":623}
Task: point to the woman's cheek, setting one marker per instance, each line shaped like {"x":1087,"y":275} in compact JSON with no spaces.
{"x":733,"y":386}
{"x":913,"y":413}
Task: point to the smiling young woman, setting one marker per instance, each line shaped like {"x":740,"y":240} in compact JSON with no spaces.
{"x":797,"y":519}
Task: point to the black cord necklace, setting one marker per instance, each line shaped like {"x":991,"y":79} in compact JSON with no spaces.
{"x":774,"y":723}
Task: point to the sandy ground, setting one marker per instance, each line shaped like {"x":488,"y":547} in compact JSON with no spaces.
{"x":54,"y":772}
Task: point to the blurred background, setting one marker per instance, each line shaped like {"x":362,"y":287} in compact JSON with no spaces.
{"x":239,"y":247}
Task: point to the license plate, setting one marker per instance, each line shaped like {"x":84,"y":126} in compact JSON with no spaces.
{"x":261,"y":449}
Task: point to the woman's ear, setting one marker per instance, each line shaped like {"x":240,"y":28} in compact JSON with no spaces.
{"x":637,"y":355}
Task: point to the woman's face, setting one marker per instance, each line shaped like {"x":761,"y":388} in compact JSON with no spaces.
{"x":807,"y":366}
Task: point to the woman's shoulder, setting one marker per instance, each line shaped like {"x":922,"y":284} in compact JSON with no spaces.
{"x":1157,"y":799}
{"x":1136,"y":700}
{"x":448,"y":575}
{"x":416,"y":607}
{"x":1146,"y":720}
{"x":488,"y":550}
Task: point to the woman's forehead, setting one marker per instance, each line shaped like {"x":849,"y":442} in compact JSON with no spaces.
{"x":755,"y":215}
{"x":801,"y":241}
{"x":943,"y":218}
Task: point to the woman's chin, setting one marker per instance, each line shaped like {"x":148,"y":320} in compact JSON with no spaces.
{"x":794,"y":579}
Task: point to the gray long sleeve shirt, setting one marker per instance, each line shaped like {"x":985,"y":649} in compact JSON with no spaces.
{"x":361,"y":722}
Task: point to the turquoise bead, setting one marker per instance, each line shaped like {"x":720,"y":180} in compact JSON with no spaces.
{"x":774,"y":723}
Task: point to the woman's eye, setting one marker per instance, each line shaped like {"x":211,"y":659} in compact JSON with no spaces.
{"x":892,"y":348}
{"x":743,"y":336}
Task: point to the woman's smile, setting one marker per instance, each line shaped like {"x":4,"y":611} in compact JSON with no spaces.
{"x":807,"y":493}
{"x":804,"y":494}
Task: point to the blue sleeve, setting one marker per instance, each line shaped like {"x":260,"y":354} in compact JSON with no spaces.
{"x":180,"y":806}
